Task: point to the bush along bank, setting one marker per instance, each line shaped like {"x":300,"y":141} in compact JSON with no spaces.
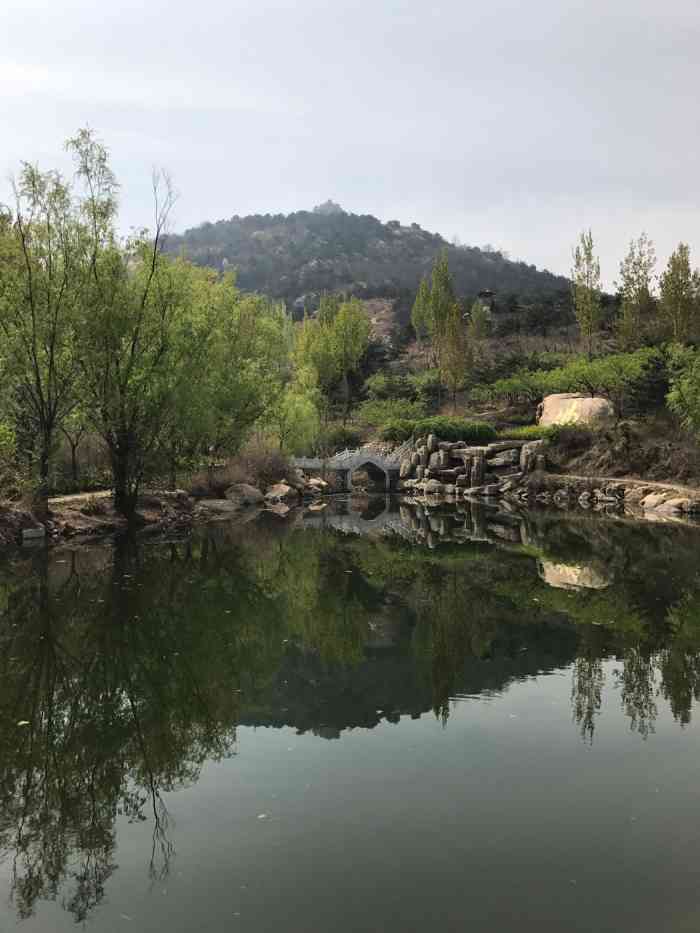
{"x":517,"y":471}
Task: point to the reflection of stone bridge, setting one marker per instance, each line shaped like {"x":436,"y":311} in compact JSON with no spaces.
{"x":377,"y":462}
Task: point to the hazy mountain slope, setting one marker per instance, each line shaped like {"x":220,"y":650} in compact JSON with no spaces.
{"x":295,"y":257}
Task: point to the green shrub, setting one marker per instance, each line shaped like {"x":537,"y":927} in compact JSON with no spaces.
{"x":337,"y":437}
{"x":378,"y":412}
{"x":566,"y":435}
{"x":447,"y":429}
{"x":427,"y":385}
{"x":382,"y":386}
{"x":528,"y":432}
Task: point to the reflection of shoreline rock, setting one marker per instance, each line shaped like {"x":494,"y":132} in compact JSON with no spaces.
{"x":571,"y":576}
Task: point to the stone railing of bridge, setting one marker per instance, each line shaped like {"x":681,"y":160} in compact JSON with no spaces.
{"x":346,"y":462}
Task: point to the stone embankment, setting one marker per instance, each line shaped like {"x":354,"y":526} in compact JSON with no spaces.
{"x":518,"y":471}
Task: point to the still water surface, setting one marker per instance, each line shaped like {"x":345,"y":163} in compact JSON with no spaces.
{"x":374,"y":720}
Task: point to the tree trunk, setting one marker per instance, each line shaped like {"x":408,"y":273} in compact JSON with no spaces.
{"x":346,"y":397}
{"x":74,"y":464}
{"x":125,"y":485}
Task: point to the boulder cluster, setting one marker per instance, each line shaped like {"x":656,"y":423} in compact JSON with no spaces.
{"x":457,"y":469}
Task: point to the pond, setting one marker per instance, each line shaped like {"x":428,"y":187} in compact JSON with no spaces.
{"x":364,"y":717}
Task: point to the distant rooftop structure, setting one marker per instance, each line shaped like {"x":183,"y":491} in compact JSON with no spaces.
{"x":328,"y":207}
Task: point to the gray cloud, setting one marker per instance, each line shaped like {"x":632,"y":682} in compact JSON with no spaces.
{"x":510,"y":123}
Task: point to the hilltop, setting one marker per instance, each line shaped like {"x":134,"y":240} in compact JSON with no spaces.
{"x":297,"y":256}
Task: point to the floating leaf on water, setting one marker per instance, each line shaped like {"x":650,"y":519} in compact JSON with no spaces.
{"x":263,"y":816}
{"x":23,"y":722}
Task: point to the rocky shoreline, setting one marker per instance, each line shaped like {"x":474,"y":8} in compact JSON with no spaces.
{"x":518,"y":471}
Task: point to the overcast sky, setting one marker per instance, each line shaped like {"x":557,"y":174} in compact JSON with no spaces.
{"x":500,"y":121}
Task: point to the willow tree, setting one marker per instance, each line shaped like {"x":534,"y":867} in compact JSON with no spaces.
{"x":42,"y":276}
{"x":587,"y":290}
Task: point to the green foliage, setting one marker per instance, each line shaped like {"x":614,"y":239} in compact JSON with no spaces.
{"x":337,"y":437}
{"x":637,"y":304}
{"x":528,"y":432}
{"x":427,"y":385}
{"x":382,"y":411}
{"x":587,"y":289}
{"x":684,"y":394}
{"x":620,"y":377}
{"x":421,"y":317}
{"x":453,"y":351}
{"x":447,"y":429}
{"x":479,"y":322}
{"x":680,"y":295}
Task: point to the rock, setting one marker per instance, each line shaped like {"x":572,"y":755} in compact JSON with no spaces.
{"x":405,"y":469}
{"x":450,"y":489}
{"x":443,"y":458}
{"x":423,"y":455}
{"x":574,"y":408}
{"x":477,"y":470}
{"x":244,"y":493}
{"x":433,"y":486}
{"x":415,"y":459}
{"x":431,"y":443}
{"x":279,"y":508}
{"x":420,"y":472}
{"x":33,"y":534}
{"x":499,"y":446}
{"x":434,"y":461}
{"x":462,"y":480}
{"x":654,"y":500}
{"x":529,"y":453}
{"x":491,"y":489}
{"x":317,"y":483}
{"x":507,"y":458}
{"x":318,"y":506}
{"x":280,"y":491}
{"x":220,"y":506}
{"x":571,"y":576}
{"x":679,"y":504}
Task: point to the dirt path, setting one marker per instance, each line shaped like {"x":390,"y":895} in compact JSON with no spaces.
{"x":80,"y":497}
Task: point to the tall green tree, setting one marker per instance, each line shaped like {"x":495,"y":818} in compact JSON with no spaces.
{"x":586,"y":290}
{"x":42,"y":276}
{"x":421,"y":313}
{"x":479,"y":322}
{"x":454,"y":352}
{"x":636,"y":292}
{"x":442,"y":297}
{"x":350,"y":334}
{"x":680,"y":294}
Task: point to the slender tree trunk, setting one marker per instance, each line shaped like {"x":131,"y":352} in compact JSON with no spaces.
{"x":74,"y":464}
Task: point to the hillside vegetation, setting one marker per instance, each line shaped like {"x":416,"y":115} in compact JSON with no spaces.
{"x":298,"y":256}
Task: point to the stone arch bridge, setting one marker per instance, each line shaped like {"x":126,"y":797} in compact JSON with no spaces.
{"x":344,"y":464}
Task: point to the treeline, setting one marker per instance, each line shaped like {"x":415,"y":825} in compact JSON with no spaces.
{"x":168,"y":363}
{"x":638,"y":348}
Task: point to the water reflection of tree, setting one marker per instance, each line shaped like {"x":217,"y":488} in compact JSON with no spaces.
{"x":131,"y":667}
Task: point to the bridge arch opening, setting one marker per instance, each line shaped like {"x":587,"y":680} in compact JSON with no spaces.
{"x":369,"y":476}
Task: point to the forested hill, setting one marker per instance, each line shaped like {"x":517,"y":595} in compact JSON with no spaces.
{"x":298,"y":256}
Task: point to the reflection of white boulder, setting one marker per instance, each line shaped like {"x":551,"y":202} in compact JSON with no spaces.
{"x":572,"y":576}
{"x":569,"y":407}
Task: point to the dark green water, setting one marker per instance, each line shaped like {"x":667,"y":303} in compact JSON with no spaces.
{"x":378,"y":721}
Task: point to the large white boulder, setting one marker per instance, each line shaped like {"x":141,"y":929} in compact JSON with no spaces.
{"x":572,"y":408}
